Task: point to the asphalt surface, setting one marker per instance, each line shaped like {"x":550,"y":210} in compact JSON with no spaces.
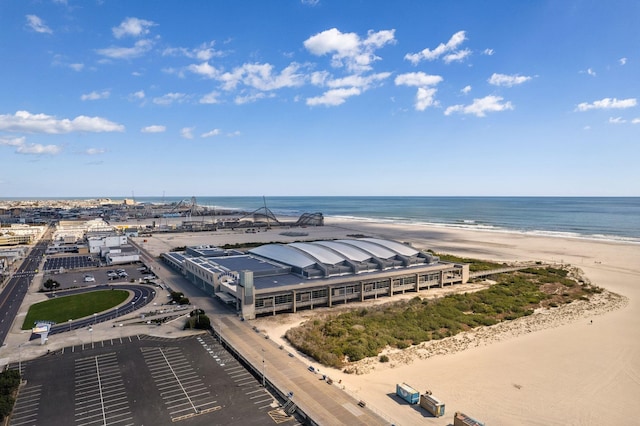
{"x":143,"y":380}
{"x":16,"y":288}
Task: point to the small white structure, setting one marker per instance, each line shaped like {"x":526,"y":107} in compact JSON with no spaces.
{"x":96,"y":243}
{"x":120,"y":255}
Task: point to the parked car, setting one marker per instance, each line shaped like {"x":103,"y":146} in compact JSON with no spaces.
{"x":89,"y":278}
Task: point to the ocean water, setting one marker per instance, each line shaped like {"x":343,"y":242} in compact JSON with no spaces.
{"x":599,"y":218}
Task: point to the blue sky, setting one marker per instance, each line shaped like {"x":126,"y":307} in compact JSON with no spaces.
{"x":326,"y":97}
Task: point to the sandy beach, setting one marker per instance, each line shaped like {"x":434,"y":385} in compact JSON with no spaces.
{"x":575,"y":365}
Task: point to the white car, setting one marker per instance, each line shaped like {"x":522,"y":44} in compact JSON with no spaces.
{"x":89,"y":279}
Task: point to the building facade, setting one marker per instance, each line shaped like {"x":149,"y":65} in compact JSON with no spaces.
{"x":277,"y":278}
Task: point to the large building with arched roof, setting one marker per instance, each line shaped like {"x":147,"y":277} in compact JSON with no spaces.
{"x":277,"y":278}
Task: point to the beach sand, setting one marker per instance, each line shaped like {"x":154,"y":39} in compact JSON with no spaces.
{"x":552,"y":368}
{"x":575,"y":365}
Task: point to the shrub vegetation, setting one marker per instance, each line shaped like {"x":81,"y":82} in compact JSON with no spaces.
{"x":338,"y":339}
{"x":9,"y":381}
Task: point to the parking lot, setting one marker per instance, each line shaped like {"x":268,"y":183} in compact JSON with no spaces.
{"x":100,"y":275}
{"x":143,"y":380}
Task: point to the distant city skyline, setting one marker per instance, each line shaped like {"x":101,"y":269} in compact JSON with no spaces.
{"x":319,"y":97}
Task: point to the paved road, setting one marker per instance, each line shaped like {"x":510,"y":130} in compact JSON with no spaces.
{"x":13,"y":293}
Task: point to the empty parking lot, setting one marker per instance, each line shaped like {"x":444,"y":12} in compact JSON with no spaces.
{"x":143,"y":380}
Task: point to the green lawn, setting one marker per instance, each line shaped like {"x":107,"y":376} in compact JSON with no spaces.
{"x":61,"y":309}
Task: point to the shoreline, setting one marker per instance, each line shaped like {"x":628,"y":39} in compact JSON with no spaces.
{"x":490,"y":229}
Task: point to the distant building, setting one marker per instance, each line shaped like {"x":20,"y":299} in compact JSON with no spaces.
{"x":120,"y":255}
{"x":17,"y":234}
{"x":277,"y":278}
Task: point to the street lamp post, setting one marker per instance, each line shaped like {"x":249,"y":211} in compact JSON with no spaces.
{"x":70,"y":324}
{"x":91,"y":334}
{"x":263,"y":368}
{"x":133,"y":304}
{"x":20,"y":360}
{"x":95,"y":318}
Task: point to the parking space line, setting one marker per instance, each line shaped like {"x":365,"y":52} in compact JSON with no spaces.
{"x":180,"y":386}
{"x":100,"y":395}
{"x":25,"y":410}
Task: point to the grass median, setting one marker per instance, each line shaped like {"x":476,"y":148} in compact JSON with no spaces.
{"x":62,"y":309}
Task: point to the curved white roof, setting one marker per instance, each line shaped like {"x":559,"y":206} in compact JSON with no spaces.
{"x":395,"y":246}
{"x":305,"y":255}
{"x":323,"y":254}
{"x":284,"y":254}
{"x":350,"y":252}
{"x":376,"y":250}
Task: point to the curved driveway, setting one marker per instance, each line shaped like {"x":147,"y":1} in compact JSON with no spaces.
{"x":142,"y":295}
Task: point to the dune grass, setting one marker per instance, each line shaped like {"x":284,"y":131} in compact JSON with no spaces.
{"x":77,"y":306}
{"x":336,"y":340}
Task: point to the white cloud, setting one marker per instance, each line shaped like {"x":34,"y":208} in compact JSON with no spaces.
{"x":617,"y":120}
{"x":94,"y":151}
{"x":170,"y":98}
{"x":318,"y":78}
{"x":38,"y":25}
{"x":76,"y":67}
{"x":481,"y":106}
{"x":139,"y":48}
{"x":12,"y":141}
{"x":635,"y":121}
{"x":591,"y":72}
{"x":458,"y":56}
{"x":187,"y":132}
{"x":418,"y":79}
{"x":204,"y":52}
{"x":348,"y":49}
{"x":210,"y":98}
{"x":333,"y":97}
{"x":310,"y":2}
{"x":94,"y":96}
{"x":154,"y":128}
{"x":507,"y":80}
{"x":246,"y":99}
{"x":234,"y":134}
{"x":622,"y":61}
{"x":262,"y":77}
{"x":204,"y":69}
{"x":425,"y":97}
{"x":37,"y":149}
{"x":488,"y":52}
{"x":607,"y":103}
{"x":356,"y":80}
{"x":345,"y":87}
{"x":214,"y":132}
{"x":137,"y":95}
{"x":133,"y":27}
{"x":24,"y":121}
{"x":449,"y":48}
{"x":466,"y":89}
